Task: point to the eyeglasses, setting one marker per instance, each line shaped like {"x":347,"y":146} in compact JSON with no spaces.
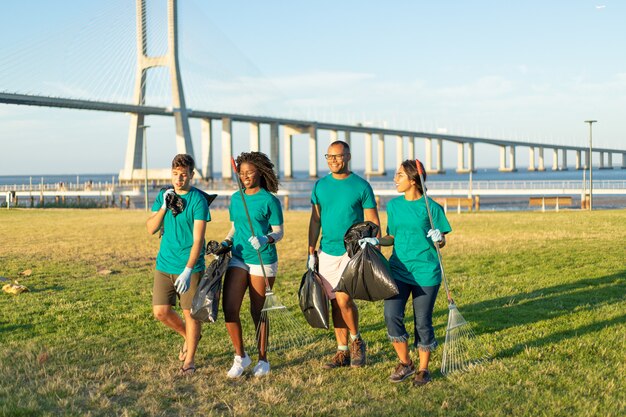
{"x":338,"y":157}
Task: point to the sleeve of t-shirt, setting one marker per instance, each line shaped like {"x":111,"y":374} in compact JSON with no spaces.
{"x":369,"y":201}
{"x":275,"y":212}
{"x":158,"y":202}
{"x":314,"y":199}
{"x":201,"y":209}
{"x":439,"y":218}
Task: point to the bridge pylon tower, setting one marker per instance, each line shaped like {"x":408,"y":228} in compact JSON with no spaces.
{"x":134,"y":150}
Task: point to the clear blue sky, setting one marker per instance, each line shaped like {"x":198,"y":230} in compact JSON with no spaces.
{"x":532,"y":70}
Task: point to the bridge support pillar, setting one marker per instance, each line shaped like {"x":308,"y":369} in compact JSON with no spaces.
{"x":369,"y":158}
{"x":207,"y":148}
{"x":531,"y":158}
{"x":134,"y":151}
{"x":578,"y":161}
{"x":601,"y":160}
{"x":399,"y":150}
{"x":461,"y":166}
{"x":555,"y":159}
{"x":439,"y":151}
{"x":288,"y":132}
{"x":227,"y":148}
{"x":563,"y":160}
{"x":333,"y":136}
{"x":511,"y":167}
{"x":275,"y":147}
{"x":411,"y":148}
{"x":541,"y":166}
{"x":624,"y":160}
{"x":255,"y":137}
{"x":381,"y":155}
{"x":438,"y":156}
{"x":313,"y":151}
{"x":586,"y":162}
{"x":610,"y":160}
{"x":347,"y":138}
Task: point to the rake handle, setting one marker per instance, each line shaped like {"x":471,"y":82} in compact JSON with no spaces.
{"x":268,"y":288}
{"x":420,"y":172}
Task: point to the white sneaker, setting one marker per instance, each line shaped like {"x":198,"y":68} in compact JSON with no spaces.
{"x":261,"y":369}
{"x":239,"y":365}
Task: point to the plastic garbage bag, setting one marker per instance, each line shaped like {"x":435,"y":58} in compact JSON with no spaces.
{"x":358,"y":231}
{"x":367,"y":275}
{"x":313,"y":300}
{"x":206,"y":301}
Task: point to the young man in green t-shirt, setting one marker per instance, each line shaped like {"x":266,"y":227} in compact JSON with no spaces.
{"x":339,"y":200}
{"x":180,"y":262}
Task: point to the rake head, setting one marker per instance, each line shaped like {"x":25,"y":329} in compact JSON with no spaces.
{"x":462,"y":348}
{"x":278,"y":329}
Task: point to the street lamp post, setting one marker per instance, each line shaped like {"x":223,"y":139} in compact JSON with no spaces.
{"x":591,"y":122}
{"x":145,"y":163}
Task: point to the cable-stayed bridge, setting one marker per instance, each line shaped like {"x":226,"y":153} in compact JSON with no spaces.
{"x":156,"y":62}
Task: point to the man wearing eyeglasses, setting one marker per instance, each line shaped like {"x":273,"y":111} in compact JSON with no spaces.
{"x":339,"y":200}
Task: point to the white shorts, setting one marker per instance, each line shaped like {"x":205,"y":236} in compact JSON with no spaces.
{"x":270,"y":270}
{"x":330,"y":270}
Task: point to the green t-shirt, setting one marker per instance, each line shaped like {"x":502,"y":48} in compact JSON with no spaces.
{"x":414,"y":258}
{"x":177,"y":238}
{"x":341,"y":205}
{"x":265,"y":212}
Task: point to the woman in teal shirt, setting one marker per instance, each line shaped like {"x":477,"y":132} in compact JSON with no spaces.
{"x":245,"y":272}
{"x":415,"y":269}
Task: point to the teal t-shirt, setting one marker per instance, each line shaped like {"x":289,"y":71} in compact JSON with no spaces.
{"x":265,"y":212}
{"x":414,"y":258}
{"x":341,"y":205}
{"x":177,"y":238}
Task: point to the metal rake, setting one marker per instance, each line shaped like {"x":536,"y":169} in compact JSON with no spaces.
{"x":462,"y":349}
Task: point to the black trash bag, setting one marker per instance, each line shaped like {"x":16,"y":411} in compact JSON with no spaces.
{"x":216,"y":248}
{"x":367,"y":276}
{"x":206,"y":301}
{"x":358,"y":231}
{"x":313,"y":300}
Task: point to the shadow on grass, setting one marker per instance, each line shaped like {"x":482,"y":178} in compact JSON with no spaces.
{"x":565,"y":334}
{"x":7,"y":328}
{"x":546,"y":303}
{"x":52,"y":288}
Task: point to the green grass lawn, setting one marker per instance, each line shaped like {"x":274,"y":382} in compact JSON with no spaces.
{"x":545,"y":292}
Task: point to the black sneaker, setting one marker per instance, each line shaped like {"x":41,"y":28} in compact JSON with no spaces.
{"x":402,"y":372}
{"x":341,"y":358}
{"x":357,"y":352}
{"x":421,"y":378}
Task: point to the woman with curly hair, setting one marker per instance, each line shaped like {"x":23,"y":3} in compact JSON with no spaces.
{"x":244,"y":271}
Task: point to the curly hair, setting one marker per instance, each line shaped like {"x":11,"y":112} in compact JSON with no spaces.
{"x":410,"y":167}
{"x":269,"y":179}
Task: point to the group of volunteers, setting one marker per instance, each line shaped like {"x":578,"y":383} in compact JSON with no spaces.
{"x":339,"y":200}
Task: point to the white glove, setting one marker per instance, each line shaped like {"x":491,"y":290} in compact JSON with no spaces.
{"x":182,"y":282}
{"x":167,"y":192}
{"x":371,"y":240}
{"x":311,"y":261}
{"x":435,"y":235}
{"x":258,"y":242}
